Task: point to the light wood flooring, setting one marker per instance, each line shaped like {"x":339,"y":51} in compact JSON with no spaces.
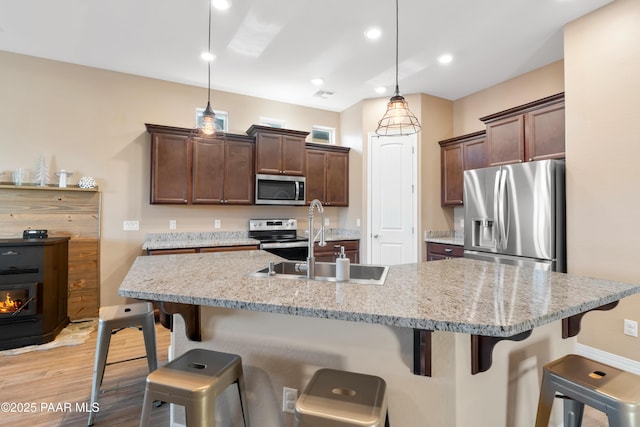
{"x":63,"y":376}
{"x":50,"y":379}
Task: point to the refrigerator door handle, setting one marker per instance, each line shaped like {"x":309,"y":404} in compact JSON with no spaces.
{"x":502,"y":206}
{"x":496,"y":207}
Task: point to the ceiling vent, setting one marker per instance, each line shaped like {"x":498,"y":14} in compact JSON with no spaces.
{"x":323,"y":93}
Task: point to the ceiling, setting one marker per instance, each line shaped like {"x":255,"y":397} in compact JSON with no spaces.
{"x":272,"y":49}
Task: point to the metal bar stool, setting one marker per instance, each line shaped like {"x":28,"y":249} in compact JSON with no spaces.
{"x":342,"y":399}
{"x":582,"y":381}
{"x":194,"y":380}
{"x":111,"y":320}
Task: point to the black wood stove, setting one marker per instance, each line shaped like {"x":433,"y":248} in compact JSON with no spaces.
{"x":33,"y":290}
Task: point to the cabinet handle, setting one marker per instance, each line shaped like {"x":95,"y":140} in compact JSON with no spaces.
{"x":531,"y":159}
{"x":447,"y":250}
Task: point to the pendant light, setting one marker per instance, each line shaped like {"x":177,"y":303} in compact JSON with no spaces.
{"x":208,"y":125}
{"x":398,"y":119}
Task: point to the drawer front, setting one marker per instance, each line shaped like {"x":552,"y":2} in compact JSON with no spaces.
{"x":447,"y":251}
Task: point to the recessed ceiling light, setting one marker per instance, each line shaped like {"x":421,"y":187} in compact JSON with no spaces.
{"x":221,"y":4}
{"x":317,"y":81}
{"x":207,"y":56}
{"x":380,"y":89}
{"x":445,"y":58}
{"x":373,"y":33}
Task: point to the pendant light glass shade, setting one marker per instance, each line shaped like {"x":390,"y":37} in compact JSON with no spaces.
{"x":398,"y":119}
{"x":208,"y":121}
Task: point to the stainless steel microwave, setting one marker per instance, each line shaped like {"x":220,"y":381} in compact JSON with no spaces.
{"x":280,"y":190}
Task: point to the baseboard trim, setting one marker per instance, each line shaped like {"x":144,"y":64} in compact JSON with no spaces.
{"x":614,"y":360}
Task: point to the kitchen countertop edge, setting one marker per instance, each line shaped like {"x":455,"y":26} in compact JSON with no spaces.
{"x":319,"y":299}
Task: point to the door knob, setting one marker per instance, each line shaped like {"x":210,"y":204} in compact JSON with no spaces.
{"x":375,"y":236}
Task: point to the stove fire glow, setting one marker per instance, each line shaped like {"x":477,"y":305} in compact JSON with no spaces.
{"x":11,"y":302}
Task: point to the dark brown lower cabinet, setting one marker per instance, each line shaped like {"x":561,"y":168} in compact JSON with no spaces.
{"x":438,"y":251}
{"x":330,"y":252}
{"x":176,"y":251}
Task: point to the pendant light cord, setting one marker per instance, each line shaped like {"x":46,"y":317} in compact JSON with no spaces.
{"x":209,"y":62}
{"x":397,"y":36}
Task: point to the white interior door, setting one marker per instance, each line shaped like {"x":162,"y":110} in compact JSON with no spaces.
{"x":392,"y":199}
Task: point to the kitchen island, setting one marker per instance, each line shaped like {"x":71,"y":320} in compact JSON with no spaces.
{"x":286,"y":329}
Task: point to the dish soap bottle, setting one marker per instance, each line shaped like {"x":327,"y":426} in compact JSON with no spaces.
{"x":342,"y":266}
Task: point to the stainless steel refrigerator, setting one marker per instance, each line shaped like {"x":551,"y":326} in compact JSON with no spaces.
{"x":515,"y":214}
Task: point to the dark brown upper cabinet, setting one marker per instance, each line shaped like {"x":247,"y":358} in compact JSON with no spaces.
{"x":327,"y":174}
{"x":534,"y":131}
{"x":457,"y":155}
{"x":194,"y":170}
{"x":279,"y":151}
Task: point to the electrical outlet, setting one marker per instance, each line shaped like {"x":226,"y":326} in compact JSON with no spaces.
{"x":289,"y":397}
{"x":631,"y":328}
{"x":131,"y":225}
{"x":216,"y":223}
{"x":172,"y":224}
{"x":326,"y":222}
{"x":357,"y":222}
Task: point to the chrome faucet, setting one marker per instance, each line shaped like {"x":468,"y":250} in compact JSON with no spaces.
{"x":311,"y":260}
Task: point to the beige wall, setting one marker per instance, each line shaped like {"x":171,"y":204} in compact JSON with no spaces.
{"x":602,"y":66}
{"x":537,"y":84}
{"x":91,"y":121}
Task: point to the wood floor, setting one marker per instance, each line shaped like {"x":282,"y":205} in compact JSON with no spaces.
{"x":54,"y":382}
{"x":50,"y":379}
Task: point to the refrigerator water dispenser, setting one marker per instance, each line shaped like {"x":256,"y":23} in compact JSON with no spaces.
{"x":483,"y":233}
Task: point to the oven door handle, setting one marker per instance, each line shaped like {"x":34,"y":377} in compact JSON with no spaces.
{"x":280,"y":245}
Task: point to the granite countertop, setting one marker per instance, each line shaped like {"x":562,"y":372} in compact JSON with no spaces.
{"x":457,"y":295}
{"x":180,"y":240}
{"x":445,"y":237}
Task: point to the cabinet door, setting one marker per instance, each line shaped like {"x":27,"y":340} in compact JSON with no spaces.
{"x":331,"y":251}
{"x":316,"y":175}
{"x":269,"y":154}
{"x":293,"y":155}
{"x":170,"y":165}
{"x":452,"y":168}
{"x":475,"y":154}
{"x":505,"y":141}
{"x":337,"y":179}
{"x":238,"y":178}
{"x":208,"y":171}
{"x":545,"y":133}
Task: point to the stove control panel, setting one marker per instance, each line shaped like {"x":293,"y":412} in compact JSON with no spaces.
{"x":272,"y":224}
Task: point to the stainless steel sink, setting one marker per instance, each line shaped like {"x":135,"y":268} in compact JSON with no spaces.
{"x":326,"y":271}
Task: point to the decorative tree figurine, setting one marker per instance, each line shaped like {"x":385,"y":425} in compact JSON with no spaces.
{"x":42,"y":172}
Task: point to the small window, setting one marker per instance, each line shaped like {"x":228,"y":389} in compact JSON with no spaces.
{"x":271,"y":122}
{"x":222,"y":119}
{"x":323,"y":134}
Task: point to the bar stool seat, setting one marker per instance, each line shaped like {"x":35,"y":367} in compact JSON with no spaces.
{"x":110,"y":320}
{"x":194,"y":380}
{"x":336,"y":398}
{"x":582,"y":381}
